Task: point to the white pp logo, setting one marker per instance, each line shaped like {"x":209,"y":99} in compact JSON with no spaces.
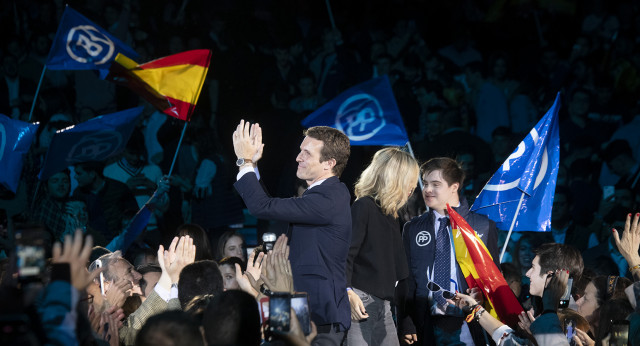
{"x":95,"y":147}
{"x":86,"y":44}
{"x":513,"y":163}
{"x":423,"y":238}
{"x":360,"y":117}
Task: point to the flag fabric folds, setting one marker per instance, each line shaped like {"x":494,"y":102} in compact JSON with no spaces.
{"x":82,"y":45}
{"x":480,"y":271}
{"x":15,"y":140}
{"x":529,"y":173}
{"x":94,"y":140}
{"x":171,"y":84}
{"x":367,"y":113}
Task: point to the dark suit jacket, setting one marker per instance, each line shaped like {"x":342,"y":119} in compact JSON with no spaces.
{"x":319,"y":244}
{"x":414,"y":308}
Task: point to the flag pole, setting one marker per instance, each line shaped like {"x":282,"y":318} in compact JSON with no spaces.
{"x":412,"y":155}
{"x":513,"y":222}
{"x":175,"y":156}
{"x":333,"y":22}
{"x":35,"y":97}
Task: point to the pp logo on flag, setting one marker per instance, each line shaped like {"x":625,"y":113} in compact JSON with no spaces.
{"x":86,"y":44}
{"x":360,"y":117}
{"x":95,"y":147}
{"x":423,"y":238}
{"x":516,"y":163}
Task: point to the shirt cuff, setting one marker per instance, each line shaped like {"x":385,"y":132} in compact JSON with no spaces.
{"x":174,"y":292}
{"x":247,"y":170}
{"x":164,"y":294}
{"x":498,"y":334}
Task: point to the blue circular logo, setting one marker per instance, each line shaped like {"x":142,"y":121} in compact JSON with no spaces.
{"x":86,"y":44}
{"x":360,"y":117}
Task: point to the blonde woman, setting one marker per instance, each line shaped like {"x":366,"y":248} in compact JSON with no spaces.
{"x":376,"y":256}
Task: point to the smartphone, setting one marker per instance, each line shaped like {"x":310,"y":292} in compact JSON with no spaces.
{"x":300,"y":304}
{"x":280,"y":312}
{"x":619,"y":333}
{"x":268,"y":240}
{"x":98,"y":266}
{"x":570,"y":330}
{"x":263,"y":306}
{"x":30,"y":255}
{"x":564,"y":300}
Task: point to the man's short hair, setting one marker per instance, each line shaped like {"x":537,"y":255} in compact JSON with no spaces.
{"x":554,"y":256}
{"x":199,"y":278}
{"x":97,"y":252}
{"x":92,"y":166}
{"x":336,"y":146}
{"x":172,"y":327}
{"x":452,"y":171}
{"x":232,"y":318}
{"x":144,"y":269}
{"x":108,"y":260}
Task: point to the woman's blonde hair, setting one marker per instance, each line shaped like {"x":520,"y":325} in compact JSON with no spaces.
{"x":388,"y":178}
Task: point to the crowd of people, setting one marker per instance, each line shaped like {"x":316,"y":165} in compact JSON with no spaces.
{"x":371,"y":249}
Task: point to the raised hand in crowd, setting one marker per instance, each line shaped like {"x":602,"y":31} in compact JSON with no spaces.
{"x":180,"y":253}
{"x":249,"y":281}
{"x":110,"y":322}
{"x":276,"y":271}
{"x":76,"y":255}
{"x":295,"y":336}
{"x":118,"y":293}
{"x":629,"y":243}
{"x":582,"y":339}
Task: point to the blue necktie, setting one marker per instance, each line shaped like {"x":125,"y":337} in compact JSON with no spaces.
{"x":442,"y":270}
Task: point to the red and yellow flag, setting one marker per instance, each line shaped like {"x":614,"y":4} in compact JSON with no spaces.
{"x":480,"y":271}
{"x":171,"y":84}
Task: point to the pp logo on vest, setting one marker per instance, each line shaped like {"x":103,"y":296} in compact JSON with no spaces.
{"x":86,"y":44}
{"x":423,"y":238}
{"x":95,"y":147}
{"x":360,"y":117}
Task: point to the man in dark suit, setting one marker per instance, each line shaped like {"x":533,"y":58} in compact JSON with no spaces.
{"x":320,"y":220}
{"x":425,"y":316}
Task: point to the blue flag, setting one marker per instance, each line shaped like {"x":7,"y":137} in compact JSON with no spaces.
{"x":15,"y":140}
{"x":82,"y":45}
{"x":367,"y":113}
{"x":94,"y":140}
{"x":530,"y":173}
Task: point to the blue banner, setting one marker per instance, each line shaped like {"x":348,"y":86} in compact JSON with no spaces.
{"x":367,"y":113}
{"x":82,"y":45}
{"x":94,"y":140}
{"x":529,"y":172}
{"x":15,"y":140}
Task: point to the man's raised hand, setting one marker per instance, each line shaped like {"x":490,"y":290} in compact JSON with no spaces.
{"x":76,"y":254}
{"x":247,"y":141}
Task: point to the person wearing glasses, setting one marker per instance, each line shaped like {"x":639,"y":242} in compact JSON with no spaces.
{"x":425,"y":317}
{"x":376,"y":258}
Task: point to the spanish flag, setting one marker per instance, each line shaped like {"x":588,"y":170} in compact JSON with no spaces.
{"x":480,"y":271}
{"x":171,"y":84}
